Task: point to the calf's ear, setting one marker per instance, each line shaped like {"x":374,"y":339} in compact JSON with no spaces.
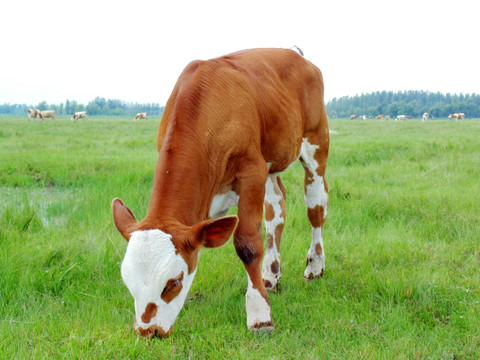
{"x":123,"y":218}
{"x":214,"y":232}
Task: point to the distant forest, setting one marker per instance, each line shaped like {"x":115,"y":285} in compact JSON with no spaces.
{"x":98,"y":106}
{"x":409,"y":103}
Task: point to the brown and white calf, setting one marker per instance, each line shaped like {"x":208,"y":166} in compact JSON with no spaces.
{"x":35,"y":114}
{"x":230,"y":127}
{"x":139,"y":116}
{"x":457,"y":116}
{"x":425,"y":117}
{"x":79,"y":115}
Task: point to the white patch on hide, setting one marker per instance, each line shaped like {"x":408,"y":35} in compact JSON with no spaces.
{"x":221,"y":203}
{"x":315,"y":194}
{"x":150,"y":261}
{"x":272,"y":254}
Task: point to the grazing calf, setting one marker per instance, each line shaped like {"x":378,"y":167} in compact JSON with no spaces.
{"x":425,"y":117}
{"x":352,"y":117}
{"x":400,"y":117}
{"x":457,"y":116}
{"x":48,"y":114}
{"x":230,"y":127}
{"x":379,"y":117}
{"x":34,"y":114}
{"x":139,"y":116}
{"x":79,"y":115}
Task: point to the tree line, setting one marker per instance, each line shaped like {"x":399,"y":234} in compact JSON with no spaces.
{"x":410,"y":103}
{"x":98,"y":106}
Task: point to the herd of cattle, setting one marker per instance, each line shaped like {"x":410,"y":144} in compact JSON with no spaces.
{"x":41,"y":115}
{"x":425,"y":116}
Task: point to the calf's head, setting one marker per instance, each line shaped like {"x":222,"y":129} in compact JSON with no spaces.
{"x":159,"y":265}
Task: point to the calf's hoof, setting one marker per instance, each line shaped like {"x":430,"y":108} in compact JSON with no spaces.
{"x":263,"y":328}
{"x":315,"y":266}
{"x":310,"y":275}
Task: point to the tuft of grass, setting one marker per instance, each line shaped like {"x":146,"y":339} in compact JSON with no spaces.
{"x":401,"y":240}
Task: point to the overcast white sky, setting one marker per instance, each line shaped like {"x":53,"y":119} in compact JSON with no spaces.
{"x":134,"y":51}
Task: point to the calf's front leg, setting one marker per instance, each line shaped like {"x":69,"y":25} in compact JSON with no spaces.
{"x":248,"y":241}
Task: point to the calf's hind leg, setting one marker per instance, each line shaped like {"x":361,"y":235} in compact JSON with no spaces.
{"x":275,"y":210}
{"x":314,"y":160}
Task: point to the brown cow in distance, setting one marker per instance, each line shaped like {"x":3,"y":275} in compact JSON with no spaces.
{"x":230,"y":127}
{"x":48,"y":114}
{"x":142,"y":115}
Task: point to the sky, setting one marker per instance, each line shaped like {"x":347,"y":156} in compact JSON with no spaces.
{"x":54,"y":50}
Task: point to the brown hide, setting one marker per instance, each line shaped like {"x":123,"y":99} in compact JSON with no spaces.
{"x":225,"y":120}
{"x":48,"y":114}
{"x":224,"y":112}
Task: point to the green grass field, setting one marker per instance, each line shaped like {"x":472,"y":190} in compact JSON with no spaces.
{"x":401,"y":240}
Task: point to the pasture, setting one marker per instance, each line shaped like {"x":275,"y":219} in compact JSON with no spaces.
{"x":401,"y":241}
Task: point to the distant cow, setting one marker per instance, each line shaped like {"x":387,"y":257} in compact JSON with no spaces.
{"x":425,"y":117}
{"x":387,"y":117}
{"x":31,"y":113}
{"x":34,"y":114}
{"x":79,"y":115}
{"x":379,"y":117}
{"x":352,"y":117}
{"x":457,"y":116}
{"x":401,"y":117}
{"x":139,"y":116}
{"x":48,"y":114}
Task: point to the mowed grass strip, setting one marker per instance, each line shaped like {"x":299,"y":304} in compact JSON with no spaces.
{"x":401,"y":240}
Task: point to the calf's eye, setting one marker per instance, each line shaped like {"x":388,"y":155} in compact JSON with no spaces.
{"x":173,"y":288}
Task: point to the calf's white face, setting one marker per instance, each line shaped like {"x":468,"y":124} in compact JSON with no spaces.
{"x":158,"y":279}
{"x":155,"y":267}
